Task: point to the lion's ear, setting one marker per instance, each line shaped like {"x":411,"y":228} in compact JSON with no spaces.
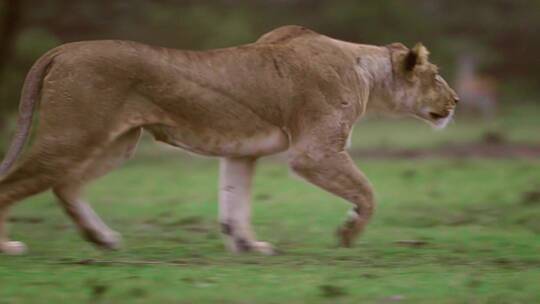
{"x":418,"y":55}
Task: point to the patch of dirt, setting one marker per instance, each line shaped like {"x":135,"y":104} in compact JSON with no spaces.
{"x":531,"y":198}
{"x":94,"y":262}
{"x":263,"y":197}
{"x":188,"y":221}
{"x":489,"y":147}
{"x":409,"y":173}
{"x":369,"y":276}
{"x":98,"y":290}
{"x":371,"y":260}
{"x":492,"y":137}
{"x":332,"y":291}
{"x":26,"y":220}
{"x":412,"y":243}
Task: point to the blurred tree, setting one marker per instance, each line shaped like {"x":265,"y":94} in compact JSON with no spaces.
{"x":10,"y":26}
{"x":8,"y":34}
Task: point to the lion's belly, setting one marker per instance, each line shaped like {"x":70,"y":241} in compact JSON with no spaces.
{"x":221,"y":143}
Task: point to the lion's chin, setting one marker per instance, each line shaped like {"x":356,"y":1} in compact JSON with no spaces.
{"x":441,"y":123}
{"x":437,"y":124}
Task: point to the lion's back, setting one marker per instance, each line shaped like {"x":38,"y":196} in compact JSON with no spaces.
{"x":285,"y":34}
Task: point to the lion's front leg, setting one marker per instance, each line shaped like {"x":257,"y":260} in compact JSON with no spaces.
{"x":336,"y":173}
{"x":234,"y":206}
{"x":317,"y":154}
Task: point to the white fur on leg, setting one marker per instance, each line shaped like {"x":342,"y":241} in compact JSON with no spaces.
{"x":352,"y":215}
{"x":235,"y":207}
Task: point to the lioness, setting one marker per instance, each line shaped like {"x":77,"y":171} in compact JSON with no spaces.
{"x":292,"y":90}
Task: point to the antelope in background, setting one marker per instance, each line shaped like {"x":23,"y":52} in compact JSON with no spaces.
{"x":477,"y":92}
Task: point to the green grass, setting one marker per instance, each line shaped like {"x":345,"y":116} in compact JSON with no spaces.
{"x":479,"y":234}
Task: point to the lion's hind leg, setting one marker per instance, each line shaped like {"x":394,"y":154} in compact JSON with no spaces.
{"x":69,"y":192}
{"x":66,"y":167}
{"x":22,"y":182}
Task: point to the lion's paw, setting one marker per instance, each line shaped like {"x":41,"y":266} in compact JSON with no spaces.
{"x":264,"y":248}
{"x":345,"y":237}
{"x":242,"y":246}
{"x":110,"y":240}
{"x":13,"y":248}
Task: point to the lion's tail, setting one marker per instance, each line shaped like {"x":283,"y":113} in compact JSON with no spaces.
{"x":29,"y":98}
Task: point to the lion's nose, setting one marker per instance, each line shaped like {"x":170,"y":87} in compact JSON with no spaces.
{"x":456,"y":100}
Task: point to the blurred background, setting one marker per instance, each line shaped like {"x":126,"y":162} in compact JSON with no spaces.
{"x":459,"y":209}
{"x":487,"y":49}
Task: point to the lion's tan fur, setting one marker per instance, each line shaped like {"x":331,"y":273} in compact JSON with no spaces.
{"x":293,"y":90}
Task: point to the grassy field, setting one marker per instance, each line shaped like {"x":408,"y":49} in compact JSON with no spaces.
{"x":446,"y":230}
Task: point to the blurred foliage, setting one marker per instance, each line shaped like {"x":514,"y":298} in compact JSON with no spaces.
{"x":502,"y":34}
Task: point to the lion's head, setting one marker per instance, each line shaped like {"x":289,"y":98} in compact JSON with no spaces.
{"x":421,"y":91}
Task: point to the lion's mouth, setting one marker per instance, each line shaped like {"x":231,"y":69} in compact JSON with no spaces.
{"x":437,"y":116}
{"x":437,"y":119}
